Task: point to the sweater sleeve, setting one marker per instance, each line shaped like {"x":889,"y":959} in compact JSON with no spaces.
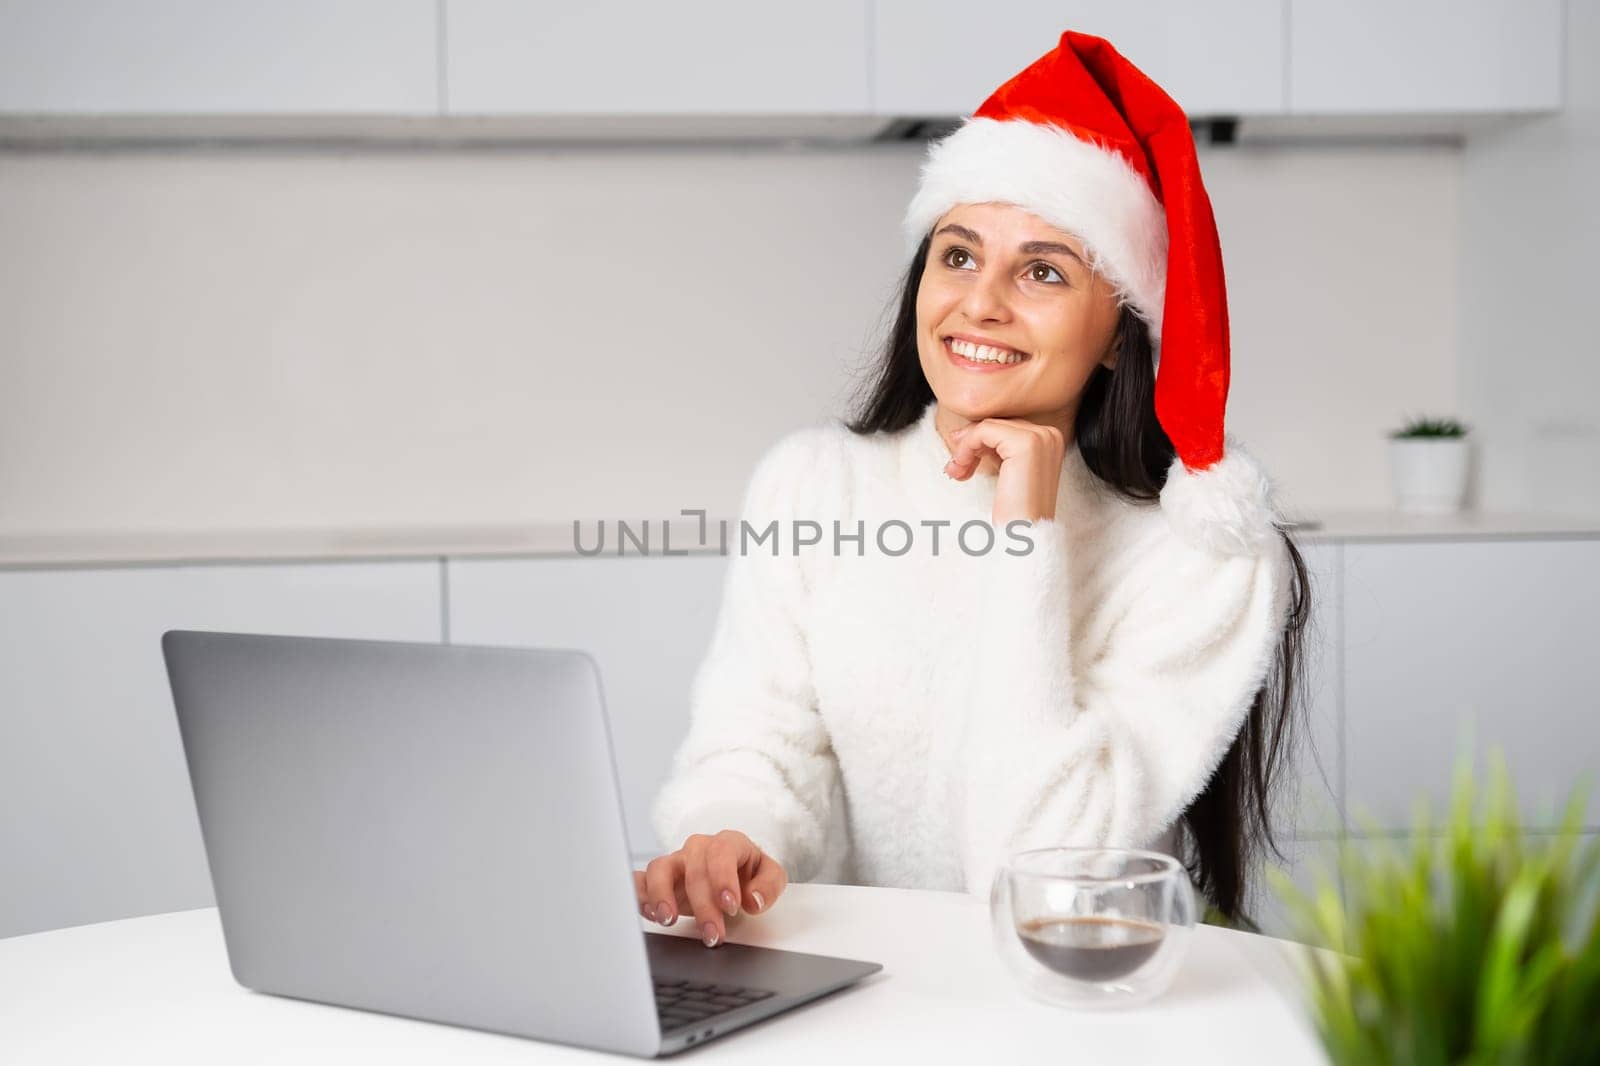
{"x":757,"y":756}
{"x":1111,"y":751}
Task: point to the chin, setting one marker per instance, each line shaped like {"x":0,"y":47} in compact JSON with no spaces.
{"x":972,"y":403}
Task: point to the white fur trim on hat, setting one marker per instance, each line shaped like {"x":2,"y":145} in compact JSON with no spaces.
{"x":1226,"y":508}
{"x":1089,"y":191}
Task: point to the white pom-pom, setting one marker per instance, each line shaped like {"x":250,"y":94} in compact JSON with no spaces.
{"x":1226,"y":508}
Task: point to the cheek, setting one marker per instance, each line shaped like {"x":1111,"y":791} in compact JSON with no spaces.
{"x":932,"y":304}
{"x":1076,"y":331}
{"x":1074,"y":351}
{"x":932,"y":311}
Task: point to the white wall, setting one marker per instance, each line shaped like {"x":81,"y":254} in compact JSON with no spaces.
{"x":1341,"y":272}
{"x":1530,"y":360}
{"x":264,"y":338}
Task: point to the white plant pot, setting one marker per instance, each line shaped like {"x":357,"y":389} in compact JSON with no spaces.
{"x":1429,"y":473}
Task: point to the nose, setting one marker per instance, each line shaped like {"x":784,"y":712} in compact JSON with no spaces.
{"x":985,"y":300}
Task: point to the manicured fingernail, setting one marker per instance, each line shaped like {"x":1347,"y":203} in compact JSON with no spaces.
{"x":664,"y":914}
{"x":729,"y":904}
{"x":760,"y":903}
{"x":708,"y":933}
{"x":648,"y":911}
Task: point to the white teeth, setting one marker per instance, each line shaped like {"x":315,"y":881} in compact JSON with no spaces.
{"x":982,"y":353}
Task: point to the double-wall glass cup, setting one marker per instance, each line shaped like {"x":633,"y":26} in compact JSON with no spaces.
{"x":1092,"y":927}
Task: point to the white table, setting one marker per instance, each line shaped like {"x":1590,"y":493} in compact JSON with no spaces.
{"x":158,"y":989}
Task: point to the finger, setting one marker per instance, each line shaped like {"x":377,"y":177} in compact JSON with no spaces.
{"x":662,"y":877}
{"x":963,"y":460}
{"x":977,"y":438}
{"x":697,"y":883}
{"x":961,"y":471}
{"x":766,"y":881}
{"x":724,"y":855}
{"x":1007,"y":438}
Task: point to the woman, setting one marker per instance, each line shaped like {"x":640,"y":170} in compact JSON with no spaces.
{"x":1031,"y":595}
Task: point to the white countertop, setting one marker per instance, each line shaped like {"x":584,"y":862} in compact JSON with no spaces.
{"x":46,"y":550}
{"x":158,"y":990}
{"x":1378,"y":524}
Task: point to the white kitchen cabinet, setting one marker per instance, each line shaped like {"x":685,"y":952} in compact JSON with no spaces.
{"x":1497,"y":636}
{"x":505,"y":57}
{"x":97,"y":818}
{"x":647,"y":620}
{"x":218,"y":57}
{"x":944,"y":57}
{"x":1358,"y":57}
{"x":1410,"y":640}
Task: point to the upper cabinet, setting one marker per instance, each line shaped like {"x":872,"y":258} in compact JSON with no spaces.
{"x":617,"y":69}
{"x":1360,"y":57}
{"x":1246,"y":58}
{"x":218,"y":57}
{"x":944,"y":57}
{"x":619,"y":57}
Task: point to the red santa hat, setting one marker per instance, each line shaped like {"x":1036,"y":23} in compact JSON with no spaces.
{"x":1085,"y":141}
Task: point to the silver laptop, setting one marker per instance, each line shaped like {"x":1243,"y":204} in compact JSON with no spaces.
{"x":436,"y":831}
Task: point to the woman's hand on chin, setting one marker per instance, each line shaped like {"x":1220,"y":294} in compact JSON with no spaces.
{"x":1030,"y":457}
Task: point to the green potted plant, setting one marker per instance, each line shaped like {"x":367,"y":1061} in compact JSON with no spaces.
{"x":1475,"y":944}
{"x":1428,"y":460}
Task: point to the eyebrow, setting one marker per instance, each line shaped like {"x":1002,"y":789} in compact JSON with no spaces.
{"x":1026,"y":248}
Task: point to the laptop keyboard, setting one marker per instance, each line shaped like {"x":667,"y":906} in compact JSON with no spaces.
{"x":681,"y":1002}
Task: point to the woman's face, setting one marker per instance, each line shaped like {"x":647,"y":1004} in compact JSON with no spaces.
{"x":1000,"y":276}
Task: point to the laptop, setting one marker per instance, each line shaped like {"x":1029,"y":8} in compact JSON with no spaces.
{"x":436,"y":831}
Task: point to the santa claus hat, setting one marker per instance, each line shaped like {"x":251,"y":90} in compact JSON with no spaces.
{"x":1085,"y":141}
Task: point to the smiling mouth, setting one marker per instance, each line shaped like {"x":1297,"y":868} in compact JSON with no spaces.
{"x":982,"y":357}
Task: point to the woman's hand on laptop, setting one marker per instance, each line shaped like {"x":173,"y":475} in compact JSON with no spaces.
{"x":712,"y":878}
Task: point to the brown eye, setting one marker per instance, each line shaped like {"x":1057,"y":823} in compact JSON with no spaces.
{"x":1046,"y":267}
{"x":955,"y":251}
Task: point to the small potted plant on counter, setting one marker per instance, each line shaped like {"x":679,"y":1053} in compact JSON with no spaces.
{"x":1475,"y":944}
{"x":1428,"y":458}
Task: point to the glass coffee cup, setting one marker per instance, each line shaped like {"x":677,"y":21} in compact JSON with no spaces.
{"x":1092,"y":927}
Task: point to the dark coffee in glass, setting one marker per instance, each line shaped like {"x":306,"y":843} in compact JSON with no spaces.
{"x":1091,"y":948}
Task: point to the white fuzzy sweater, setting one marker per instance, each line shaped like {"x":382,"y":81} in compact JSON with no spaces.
{"x":911,"y":719}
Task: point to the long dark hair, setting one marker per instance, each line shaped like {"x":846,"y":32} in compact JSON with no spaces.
{"x":1229,"y":826}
